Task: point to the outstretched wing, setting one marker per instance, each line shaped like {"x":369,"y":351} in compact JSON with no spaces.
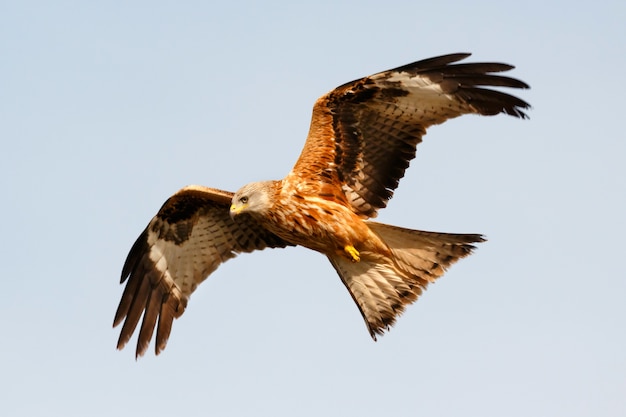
{"x":191,"y":235}
{"x":364,"y":133}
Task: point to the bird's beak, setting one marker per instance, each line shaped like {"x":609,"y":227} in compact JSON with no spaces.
{"x":234,"y":210}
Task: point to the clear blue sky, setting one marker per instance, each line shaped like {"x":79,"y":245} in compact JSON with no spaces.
{"x":107,"y":108}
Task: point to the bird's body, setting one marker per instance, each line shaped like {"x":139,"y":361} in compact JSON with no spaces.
{"x":363,"y":135}
{"x":295,"y":217}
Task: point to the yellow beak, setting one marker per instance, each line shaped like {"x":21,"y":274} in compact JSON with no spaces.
{"x":235,"y":210}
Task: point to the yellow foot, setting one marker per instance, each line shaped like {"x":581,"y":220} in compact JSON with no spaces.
{"x":354,"y":254}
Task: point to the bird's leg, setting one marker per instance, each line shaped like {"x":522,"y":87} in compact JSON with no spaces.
{"x":353,"y":254}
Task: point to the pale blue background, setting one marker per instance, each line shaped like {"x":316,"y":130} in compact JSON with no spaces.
{"x":107,"y":108}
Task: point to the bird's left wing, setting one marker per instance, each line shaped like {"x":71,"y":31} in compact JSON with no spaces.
{"x":364,"y":133}
{"x":191,"y":235}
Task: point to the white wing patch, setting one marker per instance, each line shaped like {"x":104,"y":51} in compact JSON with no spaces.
{"x":426,"y":103}
{"x":408,"y":81}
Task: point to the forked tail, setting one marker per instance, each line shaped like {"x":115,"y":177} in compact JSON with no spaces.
{"x":382,"y":286}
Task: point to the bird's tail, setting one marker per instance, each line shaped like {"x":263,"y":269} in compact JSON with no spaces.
{"x":382,"y":286}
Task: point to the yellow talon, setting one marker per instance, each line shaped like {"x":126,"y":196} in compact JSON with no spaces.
{"x":354,"y":254}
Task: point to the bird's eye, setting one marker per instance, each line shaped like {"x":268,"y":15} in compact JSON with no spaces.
{"x":243,"y":200}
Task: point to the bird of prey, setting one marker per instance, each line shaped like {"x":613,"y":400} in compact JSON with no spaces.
{"x":362,"y":137}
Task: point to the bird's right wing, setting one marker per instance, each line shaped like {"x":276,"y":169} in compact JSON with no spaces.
{"x":191,"y":235}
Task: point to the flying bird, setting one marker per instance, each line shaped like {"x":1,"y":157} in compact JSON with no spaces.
{"x":362,"y":137}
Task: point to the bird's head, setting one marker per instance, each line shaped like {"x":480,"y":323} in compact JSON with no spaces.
{"x":253,"y":198}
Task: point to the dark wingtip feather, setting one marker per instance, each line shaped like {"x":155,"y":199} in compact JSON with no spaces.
{"x":434,"y":62}
{"x":134,"y":313}
{"x":164,"y":328}
{"x":491,"y":102}
{"x":150,"y":317}
{"x":135,"y":254}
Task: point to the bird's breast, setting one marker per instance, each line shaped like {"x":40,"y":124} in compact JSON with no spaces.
{"x":316,"y":223}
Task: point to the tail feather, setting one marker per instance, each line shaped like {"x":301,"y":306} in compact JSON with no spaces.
{"x":383,"y":286}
